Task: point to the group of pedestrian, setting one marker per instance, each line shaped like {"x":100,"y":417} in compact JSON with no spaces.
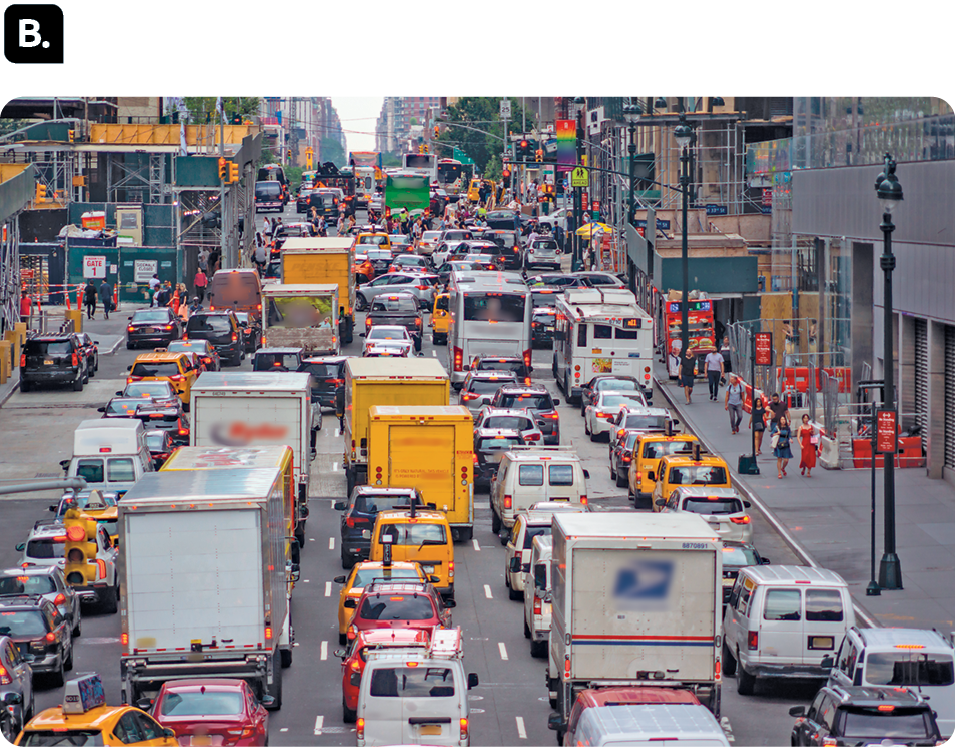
{"x":104,"y":293}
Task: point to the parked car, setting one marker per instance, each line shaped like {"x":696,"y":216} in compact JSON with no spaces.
{"x":152,"y":327}
{"x":89,"y":347}
{"x":221,"y":328}
{"x":53,"y":359}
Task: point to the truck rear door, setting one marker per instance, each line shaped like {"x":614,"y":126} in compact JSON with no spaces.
{"x":423,"y":458}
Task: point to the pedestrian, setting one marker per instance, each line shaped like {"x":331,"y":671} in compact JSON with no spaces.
{"x":106,"y":296}
{"x":734,"y":402}
{"x":200,"y":281}
{"x":175,"y":300}
{"x":153,"y":285}
{"x":781,"y":448}
{"x":714,"y":372}
{"x":779,"y":410}
{"x":757,"y":421}
{"x":89,"y":298}
{"x":203,"y":260}
{"x":807,"y":446}
{"x":688,"y":374}
{"x":266,"y":226}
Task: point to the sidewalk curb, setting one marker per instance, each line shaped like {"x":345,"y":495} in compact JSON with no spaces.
{"x":14,"y":388}
{"x":115,"y":346}
{"x":774,"y":521}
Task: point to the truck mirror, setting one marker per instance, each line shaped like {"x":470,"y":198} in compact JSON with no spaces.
{"x":515,"y":565}
{"x":554,"y":722}
{"x":340,"y":402}
{"x":303,"y":512}
{"x":65,"y":464}
{"x":676,"y":421}
{"x":296,"y":573}
{"x":586,"y":474}
{"x":472,"y":680}
{"x":340,"y":505}
{"x":350,"y":603}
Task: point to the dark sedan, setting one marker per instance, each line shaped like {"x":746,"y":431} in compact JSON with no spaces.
{"x":328,"y":376}
{"x":542,"y":326}
{"x":152,"y":327}
{"x":361,"y":509}
{"x":160,"y":445}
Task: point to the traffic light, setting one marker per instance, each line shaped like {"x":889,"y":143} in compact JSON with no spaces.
{"x":538,"y":155}
{"x":437,"y":130}
{"x":80,"y":550}
{"x":223,"y":170}
{"x":425,"y":148}
{"x":524,"y":147}
{"x":40,"y":193}
{"x":71,"y":134}
{"x":420,"y":149}
{"x":233,"y":172}
{"x":506,"y":173}
{"x":236,"y":119}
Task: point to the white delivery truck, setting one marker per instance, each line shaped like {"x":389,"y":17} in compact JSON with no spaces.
{"x":203,"y":580}
{"x":636,"y":600}
{"x":259,"y":409}
{"x":301,"y":316}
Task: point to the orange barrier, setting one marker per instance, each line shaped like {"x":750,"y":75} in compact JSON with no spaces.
{"x":909,"y":453}
{"x":797,"y":378}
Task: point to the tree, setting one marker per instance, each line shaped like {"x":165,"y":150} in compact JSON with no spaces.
{"x":493,"y":168}
{"x":481,"y":113}
{"x":331,"y":150}
{"x":203,"y":108}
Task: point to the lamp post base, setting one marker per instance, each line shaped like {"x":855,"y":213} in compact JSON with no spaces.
{"x":873,"y":589}
{"x":890,"y":571}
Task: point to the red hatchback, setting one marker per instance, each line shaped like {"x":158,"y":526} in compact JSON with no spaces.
{"x":399,"y":605}
{"x":212,"y":713}
{"x":353,"y":662}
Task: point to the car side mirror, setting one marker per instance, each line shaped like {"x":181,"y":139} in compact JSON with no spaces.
{"x":764,"y":561}
{"x":797,"y":711}
{"x":340,"y":505}
{"x":144,"y":704}
{"x":555,"y":401}
{"x":350,"y":603}
{"x":339,"y":579}
{"x":434,"y":579}
{"x":169,"y":733}
{"x":828,"y":662}
{"x":449,"y":604}
{"x":267,"y":701}
{"x":53,"y":508}
{"x":12,"y":698}
{"x":129,"y":368}
{"x":361,"y":334}
{"x":651,"y":475}
{"x":96,"y":342}
{"x":100,"y":409}
{"x":515,"y":564}
{"x":472,"y":680}
{"x":554,"y":722}
{"x":747,"y":504}
{"x":661,"y":501}
{"x":21,"y":547}
{"x":586,"y":474}
{"x":340,"y":653}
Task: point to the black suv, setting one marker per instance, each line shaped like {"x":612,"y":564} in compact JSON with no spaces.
{"x":362,"y":509}
{"x":865,"y":715}
{"x":221,"y":328}
{"x":277,"y":359}
{"x":40,"y":631}
{"x":536,"y":399}
{"x":152,"y":327}
{"x":328,"y":376}
{"x":53,"y":359}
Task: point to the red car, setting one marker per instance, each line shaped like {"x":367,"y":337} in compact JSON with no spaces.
{"x":353,"y":662}
{"x":212,"y":712}
{"x":397,"y":605}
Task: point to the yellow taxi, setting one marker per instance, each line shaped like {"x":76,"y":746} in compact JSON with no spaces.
{"x":371,"y":240}
{"x":176,"y":368}
{"x":84,"y":718}
{"x":474,"y":190}
{"x":693,"y":469}
{"x":648,"y":449}
{"x":441,"y":319}
{"x":418,"y":536}
{"x":361,"y":575}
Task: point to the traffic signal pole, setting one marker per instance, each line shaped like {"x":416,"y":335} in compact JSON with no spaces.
{"x":225,"y":260}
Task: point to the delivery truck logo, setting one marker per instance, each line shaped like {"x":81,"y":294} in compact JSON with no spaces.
{"x":239,"y":433}
{"x":643,"y":585}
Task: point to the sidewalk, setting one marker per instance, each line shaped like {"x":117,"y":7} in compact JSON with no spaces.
{"x":826,"y":518}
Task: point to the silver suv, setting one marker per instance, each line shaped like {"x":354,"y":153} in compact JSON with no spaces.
{"x":47,"y":582}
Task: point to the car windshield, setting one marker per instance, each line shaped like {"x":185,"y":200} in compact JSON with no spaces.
{"x":488,"y":386}
{"x":430,"y":235}
{"x":267,"y":189}
{"x":204,"y":702}
{"x":48,"y":548}
{"x":272,"y":361}
{"x":209,"y":323}
{"x":602,"y":280}
{"x":658,"y":449}
{"x":631,"y":440}
{"x":511,"y":422}
{"x":550,"y":246}
{"x":123,"y":406}
{"x":157,"y":389}
{"x":545,"y":298}
{"x":384,"y":333}
{"x":617,"y":385}
{"x":645,"y":422}
{"x":65,"y":738}
{"x":374,"y":239}
{"x":155,"y":368}
{"x":697,"y":475}
{"x":615,"y":400}
{"x":909,"y":669}
{"x":323,"y":370}
{"x":713,"y":505}
{"x":371,"y":503}
{"x":529,"y":400}
{"x":33,"y":584}
{"x":899,"y":723}
{"x":155,"y":315}
{"x":408,"y":682}
{"x":155,"y":439}
{"x":497,"y":443}
{"x":41,"y":347}
{"x":397,"y":606}
{"x":365,"y":576}
{"x":395,"y":303}
{"x":22,"y":623}
{"x":83,"y":500}
{"x":186,"y":346}
{"x":415,"y":534}
{"x":738,"y":556}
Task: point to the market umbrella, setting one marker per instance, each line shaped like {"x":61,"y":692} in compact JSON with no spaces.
{"x":589,"y":229}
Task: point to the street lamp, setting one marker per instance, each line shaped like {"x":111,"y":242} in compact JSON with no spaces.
{"x":631,"y":113}
{"x":684,"y":136}
{"x":576,"y":259}
{"x":889,"y":191}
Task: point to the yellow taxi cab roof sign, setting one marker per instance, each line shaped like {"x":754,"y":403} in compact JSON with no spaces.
{"x":83,"y":693}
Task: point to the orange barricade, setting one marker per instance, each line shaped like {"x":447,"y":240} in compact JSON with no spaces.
{"x":797,"y":378}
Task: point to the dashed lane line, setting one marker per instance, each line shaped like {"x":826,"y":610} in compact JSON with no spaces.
{"x":477,"y":545}
{"x":324,"y":653}
{"x":319,"y":722}
{"x":328,"y":588}
{"x":331,"y":543}
{"x":487,"y":591}
{"x":503,"y":651}
{"x":521,"y":731}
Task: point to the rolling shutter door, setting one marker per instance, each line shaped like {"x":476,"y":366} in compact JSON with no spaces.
{"x":950,"y":397}
{"x":921,"y":374}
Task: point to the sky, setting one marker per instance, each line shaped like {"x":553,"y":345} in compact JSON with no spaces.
{"x":358,"y":115}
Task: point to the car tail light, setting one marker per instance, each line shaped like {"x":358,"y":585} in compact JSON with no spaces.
{"x":450,"y":569}
{"x":234,"y":337}
{"x":474,"y":457}
{"x":422,"y":287}
{"x":101,"y":567}
{"x":583,"y":500}
{"x":639,"y":475}
{"x":549,"y":415}
{"x":467,"y":396}
{"x":464,"y":729}
{"x":360,"y":728}
{"x":740,"y":519}
{"x":168,"y":326}
{"x":752,"y":640}
{"x":177,"y":377}
{"x":352,"y":633}
{"x":131,"y":379}
{"x":417,"y":321}
{"x":458,"y":359}
{"x":507,"y":501}
{"x":367,"y":321}
{"x":604,"y":415}
{"x":75,"y":360}
{"x":4,"y":677}
{"x":537,"y":605}
{"x":23,"y":360}
{"x":625,"y":458}
{"x":832,"y":741}
{"x":532,"y":437}
{"x":60,"y":598}
{"x":50,"y":637}
{"x":183,"y":431}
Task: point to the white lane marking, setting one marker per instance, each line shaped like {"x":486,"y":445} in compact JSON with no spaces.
{"x":434,"y":353}
{"x":324,"y":653}
{"x":334,"y":466}
{"x":332,"y":502}
{"x":727,"y":729}
{"x":331,"y":543}
{"x":503,"y":651}
{"x":487,"y":591}
{"x":521,"y":732}
{"x":328,"y":588}
{"x":305,"y":580}
{"x":311,"y":539}
{"x":477,"y":545}
{"x":338,"y":432}
{"x":319,"y":721}
{"x":284,"y":728}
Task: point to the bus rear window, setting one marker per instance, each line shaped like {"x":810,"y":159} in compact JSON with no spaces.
{"x":494,"y":307}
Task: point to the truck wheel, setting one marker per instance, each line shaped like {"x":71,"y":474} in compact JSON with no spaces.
{"x":729,"y":662}
{"x":286,"y":657}
{"x":495,"y":521}
{"x":417,"y":344}
{"x":348,"y":715}
{"x":560,"y":738}
{"x":538,"y":649}
{"x":745,"y":682}
{"x":466,"y":534}
{"x":108,"y":603}
{"x":276,"y":689}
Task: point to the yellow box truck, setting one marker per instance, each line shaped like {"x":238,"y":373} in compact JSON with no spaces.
{"x":324,"y":260}
{"x":430,"y":448}
{"x":383,"y":381}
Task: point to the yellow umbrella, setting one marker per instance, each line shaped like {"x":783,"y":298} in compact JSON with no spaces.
{"x":589,"y":229}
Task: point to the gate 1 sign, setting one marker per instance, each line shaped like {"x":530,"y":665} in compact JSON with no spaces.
{"x":764,"y":348}
{"x":886,"y":432}
{"x":94,"y":267}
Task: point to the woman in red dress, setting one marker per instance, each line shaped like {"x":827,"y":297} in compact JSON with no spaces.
{"x":808,"y":459}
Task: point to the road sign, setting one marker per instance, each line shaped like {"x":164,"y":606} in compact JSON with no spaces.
{"x":886,"y":432}
{"x":94,"y":267}
{"x":764,"y":348}
{"x":583,"y":201}
{"x":505,"y":108}
{"x":578,"y":177}
{"x":565,"y":184}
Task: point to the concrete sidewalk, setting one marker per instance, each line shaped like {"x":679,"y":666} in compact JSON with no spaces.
{"x":826,"y":518}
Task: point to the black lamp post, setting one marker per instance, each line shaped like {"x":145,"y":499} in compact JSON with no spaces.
{"x":631,"y":113}
{"x":577,"y":263}
{"x":684,"y":135}
{"x":890,"y":195}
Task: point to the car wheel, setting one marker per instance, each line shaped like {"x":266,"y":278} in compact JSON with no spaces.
{"x":527,"y":631}
{"x":745,"y":682}
{"x":78,"y":385}
{"x":495,"y":521}
{"x":86,"y":376}
{"x":361,"y":303}
{"x":286,"y":657}
{"x":342,"y":639}
{"x":78,"y":629}
{"x":90,"y":370}
{"x":130,"y":346}
{"x":587,"y":428}
{"x":538,"y":649}
{"x":276,"y":689}
{"x":729,"y":662}
{"x":24,"y":385}
{"x":236,"y":359}
{"x":417,"y":344}
{"x":68,"y":663}
{"x":348,"y":715}
{"x":621,"y":481}
{"x":513,"y":593}
{"x":348,"y":561}
{"x":57,"y":678}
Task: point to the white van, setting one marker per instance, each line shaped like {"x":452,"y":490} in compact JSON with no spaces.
{"x":920,"y":660}
{"x":537,"y":596}
{"x":410,"y":696}
{"x":784,"y":621}
{"x":110,"y":454}
{"x":517,"y":555}
{"x":649,"y":725}
{"x":529,"y":474}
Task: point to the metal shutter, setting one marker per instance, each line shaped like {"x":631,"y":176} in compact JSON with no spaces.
{"x":921,"y":374}
{"x":950,"y":396}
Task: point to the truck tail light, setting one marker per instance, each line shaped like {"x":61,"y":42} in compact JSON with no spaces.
{"x":740,"y":519}
{"x":268,"y":634}
{"x":752,"y":640}
{"x":464,"y":729}
{"x":474,"y":458}
{"x":360,"y":728}
{"x":537,"y":605}
{"x":507,"y":501}
{"x":638,"y":475}
{"x":75,"y":360}
{"x":567,"y":668}
{"x":124,"y":640}
{"x":451,"y":569}
{"x":583,"y":500}
{"x":458,"y":359}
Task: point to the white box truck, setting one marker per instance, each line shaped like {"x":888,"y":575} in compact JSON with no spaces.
{"x":636,"y":601}
{"x":203,"y":580}
{"x":259,"y":409}
{"x":301,"y":316}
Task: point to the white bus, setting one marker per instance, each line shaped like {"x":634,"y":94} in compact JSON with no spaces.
{"x":601,"y":331}
{"x":364,"y":185}
{"x":425,"y":164}
{"x":491,"y":314}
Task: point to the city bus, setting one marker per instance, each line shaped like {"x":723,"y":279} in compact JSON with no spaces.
{"x":701,"y":327}
{"x":451,"y":176}
{"x":491,"y":314}
{"x":407,"y":190}
{"x":601,"y":331}
{"x":364,"y":185}
{"x":421,"y":163}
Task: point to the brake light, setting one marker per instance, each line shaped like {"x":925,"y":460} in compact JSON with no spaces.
{"x":532,"y":437}
{"x":183,"y":431}
{"x":234,"y":337}
{"x":604,"y":415}
{"x":417,"y":321}
{"x":549,"y":415}
{"x":537,"y":605}
{"x":268,"y":634}
{"x":4,"y":677}
{"x":23,"y":360}
{"x":458,"y":359}
{"x":60,"y":598}
{"x":101,"y":566}
{"x":740,"y":519}
{"x":464,"y":728}
{"x":451,"y":569}
{"x":75,"y":360}
{"x":177,"y":377}
{"x":832,"y":741}
{"x":886,"y":707}
{"x":50,"y":637}
{"x":124,"y":639}
{"x":507,"y":501}
{"x":168,"y":326}
{"x":583,"y":500}
{"x":367,"y":321}
{"x":752,"y":640}
{"x":567,"y":669}
{"x":352,"y":633}
{"x":626,"y":457}
{"x":360,"y":728}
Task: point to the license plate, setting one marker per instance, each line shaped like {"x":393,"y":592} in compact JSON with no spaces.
{"x":729,"y":581}
{"x":430,"y":730}
{"x":48,"y":362}
{"x":428,"y":568}
{"x":715,"y":525}
{"x":201,"y":740}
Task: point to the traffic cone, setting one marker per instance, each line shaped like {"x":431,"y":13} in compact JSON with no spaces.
{"x":66,"y":292}
{"x":115,"y":296}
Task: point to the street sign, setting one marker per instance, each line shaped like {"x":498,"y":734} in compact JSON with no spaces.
{"x":94,"y":267}
{"x":565,"y":184}
{"x":578,"y":177}
{"x":716,"y":209}
{"x":583,"y":201}
{"x":767,"y":197}
{"x":505,"y":108}
{"x":886,"y":432}
{"x":764,"y":348}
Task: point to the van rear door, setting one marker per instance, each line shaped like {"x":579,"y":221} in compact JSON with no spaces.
{"x":825,"y":625}
{"x":780,"y":625}
{"x":431,"y":704}
{"x":564,"y":482}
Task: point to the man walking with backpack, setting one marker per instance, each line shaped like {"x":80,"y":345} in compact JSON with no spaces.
{"x":106,"y":296}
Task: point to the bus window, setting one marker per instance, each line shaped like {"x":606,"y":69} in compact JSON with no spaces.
{"x":602,"y":331}
{"x":582,"y":336}
{"x":624,"y":334}
{"x":494,"y":307}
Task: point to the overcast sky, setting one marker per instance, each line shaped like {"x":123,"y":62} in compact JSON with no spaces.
{"x":358,"y":115}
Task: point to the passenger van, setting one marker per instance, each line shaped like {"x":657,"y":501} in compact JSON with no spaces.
{"x":529,"y":474}
{"x":420,"y":536}
{"x":784,"y":621}
{"x":647,"y":725}
{"x":410,"y":696}
{"x":237,"y":290}
{"x":920,"y":660}
{"x":110,"y":454}
{"x":529,"y":525}
{"x":537,"y":596}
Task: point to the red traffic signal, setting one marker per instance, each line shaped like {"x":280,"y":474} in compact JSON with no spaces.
{"x":506,"y":173}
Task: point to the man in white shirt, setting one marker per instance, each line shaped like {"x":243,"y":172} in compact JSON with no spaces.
{"x":153,"y":285}
{"x":714,"y":372}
